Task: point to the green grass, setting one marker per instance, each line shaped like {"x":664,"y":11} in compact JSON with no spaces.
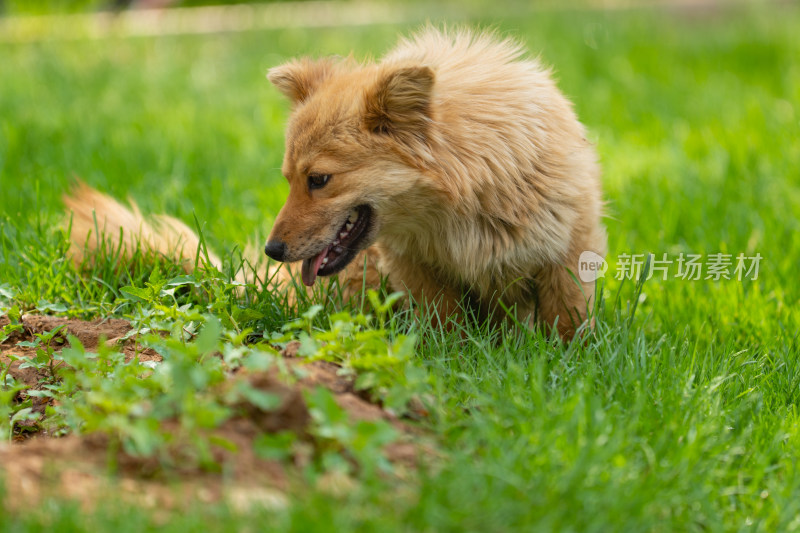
{"x":682,"y":416}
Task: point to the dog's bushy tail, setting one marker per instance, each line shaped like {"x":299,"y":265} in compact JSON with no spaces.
{"x":101,"y":222}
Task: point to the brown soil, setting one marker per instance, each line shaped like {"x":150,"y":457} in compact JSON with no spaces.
{"x":110,"y":331}
{"x":77,"y":467}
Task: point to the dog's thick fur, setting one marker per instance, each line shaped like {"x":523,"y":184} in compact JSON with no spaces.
{"x":480,"y":181}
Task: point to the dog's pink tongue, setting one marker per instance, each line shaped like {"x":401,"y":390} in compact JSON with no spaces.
{"x":311,"y":267}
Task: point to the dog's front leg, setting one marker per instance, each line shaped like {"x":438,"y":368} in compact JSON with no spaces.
{"x":431,"y":296}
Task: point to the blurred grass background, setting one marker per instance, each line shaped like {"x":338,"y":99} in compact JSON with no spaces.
{"x":687,"y":419}
{"x":50,"y":7}
{"x":691,"y":112}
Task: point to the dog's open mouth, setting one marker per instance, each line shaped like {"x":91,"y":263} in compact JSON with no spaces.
{"x":342,"y":250}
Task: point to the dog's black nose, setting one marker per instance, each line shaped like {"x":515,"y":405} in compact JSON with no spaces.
{"x":276,"y":250}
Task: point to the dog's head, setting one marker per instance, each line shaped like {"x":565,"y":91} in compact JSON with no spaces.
{"x":356,"y":142}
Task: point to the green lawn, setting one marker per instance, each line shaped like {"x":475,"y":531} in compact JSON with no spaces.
{"x":682,"y":415}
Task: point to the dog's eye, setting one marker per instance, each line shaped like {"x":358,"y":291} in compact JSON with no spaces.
{"x":318,"y":181}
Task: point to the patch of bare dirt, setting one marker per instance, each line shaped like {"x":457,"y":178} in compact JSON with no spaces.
{"x":89,"y":333}
{"x":77,"y":467}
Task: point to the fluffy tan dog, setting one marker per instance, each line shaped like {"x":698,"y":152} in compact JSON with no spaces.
{"x":459,"y":159}
{"x":456,"y":163}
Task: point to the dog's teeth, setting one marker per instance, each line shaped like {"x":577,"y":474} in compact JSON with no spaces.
{"x":324,"y":260}
{"x":349,"y":226}
{"x":342,"y":235}
{"x":353,"y":216}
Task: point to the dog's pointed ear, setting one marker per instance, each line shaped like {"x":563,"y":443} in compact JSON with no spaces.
{"x":298,"y":79}
{"x":400,"y":102}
